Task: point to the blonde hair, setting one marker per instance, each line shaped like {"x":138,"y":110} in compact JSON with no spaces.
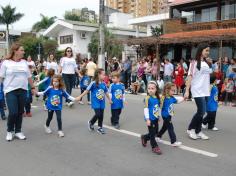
{"x":167,"y":88}
{"x":14,"y":47}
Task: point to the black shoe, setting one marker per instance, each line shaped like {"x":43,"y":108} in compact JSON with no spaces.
{"x":100,"y":130}
{"x":117,"y":126}
{"x":90,"y":126}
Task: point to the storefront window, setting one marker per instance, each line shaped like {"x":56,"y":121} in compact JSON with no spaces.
{"x":228,"y":10}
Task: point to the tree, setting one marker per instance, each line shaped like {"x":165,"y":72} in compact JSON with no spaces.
{"x":72,"y":17}
{"x":44,"y":23}
{"x":112,"y":50}
{"x":31,"y":43}
{"x":157,"y":31}
{"x":7,"y":17}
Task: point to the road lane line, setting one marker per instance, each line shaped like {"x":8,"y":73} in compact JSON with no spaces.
{"x":183,"y":147}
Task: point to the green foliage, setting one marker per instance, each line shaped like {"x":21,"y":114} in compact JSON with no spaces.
{"x":114,"y":50}
{"x":44,"y":23}
{"x":9,"y":15}
{"x":32,"y":43}
{"x":157,"y":31}
{"x":72,"y":17}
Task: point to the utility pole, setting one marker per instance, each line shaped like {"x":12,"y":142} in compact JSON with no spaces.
{"x":39,"y":52}
{"x":101,"y":57}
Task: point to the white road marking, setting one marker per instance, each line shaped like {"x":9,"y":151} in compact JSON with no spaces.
{"x":34,"y":106}
{"x":183,"y":147}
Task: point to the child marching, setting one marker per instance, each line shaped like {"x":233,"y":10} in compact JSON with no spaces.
{"x":98,"y":91}
{"x":167,"y":112}
{"x":151,"y":116}
{"x":84,"y":83}
{"x":55,"y":93}
{"x":117,"y":94}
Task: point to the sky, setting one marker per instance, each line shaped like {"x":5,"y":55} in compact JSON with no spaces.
{"x":33,"y":8}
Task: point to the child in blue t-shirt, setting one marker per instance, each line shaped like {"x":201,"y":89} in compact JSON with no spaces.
{"x":2,"y":102}
{"x":55,"y":93}
{"x":117,"y":94}
{"x":212,"y":106}
{"x":45,"y":83}
{"x":98,"y":91}
{"x":167,"y":112}
{"x":151,"y":116}
{"x":84,"y":83}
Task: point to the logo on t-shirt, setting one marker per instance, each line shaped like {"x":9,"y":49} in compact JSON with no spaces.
{"x":156,"y":110}
{"x":55,"y":100}
{"x":118,"y":94}
{"x":171,"y":109}
{"x":100,"y":94}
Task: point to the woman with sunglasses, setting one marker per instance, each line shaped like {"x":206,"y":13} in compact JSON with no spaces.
{"x":68,"y":68}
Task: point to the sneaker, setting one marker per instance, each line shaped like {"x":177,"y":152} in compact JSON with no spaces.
{"x":20,"y":136}
{"x":143,"y":141}
{"x":90,"y":126}
{"x":29,"y":114}
{"x":9,"y":136}
{"x":71,"y":104}
{"x":100,"y":130}
{"x":47,"y":130}
{"x":61,"y":134}
{"x":156,"y":150}
{"x":117,"y":126}
{"x":89,"y":103}
{"x":192,"y":134}
{"x":201,"y":135}
{"x":176,"y":144}
{"x":204,"y":126}
{"x":24,"y":114}
{"x":215,"y":129}
{"x":82,"y":103}
{"x":159,"y":139}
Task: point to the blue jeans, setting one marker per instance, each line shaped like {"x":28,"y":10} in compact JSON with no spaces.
{"x":69,"y":80}
{"x":167,"y":78}
{"x":15,"y":103}
{"x":2,"y":108}
{"x":196,"y":122}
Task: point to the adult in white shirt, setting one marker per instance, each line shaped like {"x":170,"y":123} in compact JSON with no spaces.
{"x":68,"y":67}
{"x":199,"y":81}
{"x":168,"y":71}
{"x":91,"y":67}
{"x":30,"y":62}
{"x":52,"y":64}
{"x":15,"y":75}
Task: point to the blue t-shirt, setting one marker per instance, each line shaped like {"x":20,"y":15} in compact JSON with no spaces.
{"x":168,"y":106}
{"x":45,"y":82}
{"x":1,"y":92}
{"x":54,"y":101}
{"x":97,"y":94}
{"x":117,"y":94}
{"x":153,"y":105}
{"x":84,"y":82}
{"x":212,"y":102}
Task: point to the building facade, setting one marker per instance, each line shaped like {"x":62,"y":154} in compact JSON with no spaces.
{"x":137,"y":8}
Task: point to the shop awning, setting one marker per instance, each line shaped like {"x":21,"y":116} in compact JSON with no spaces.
{"x":209,"y":36}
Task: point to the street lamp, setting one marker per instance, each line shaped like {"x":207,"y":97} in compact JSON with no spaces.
{"x":101,"y":57}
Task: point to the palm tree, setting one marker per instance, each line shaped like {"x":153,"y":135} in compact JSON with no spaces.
{"x":7,"y":17}
{"x":44,"y":23}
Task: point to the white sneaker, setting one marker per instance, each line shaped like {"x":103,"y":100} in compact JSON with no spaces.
{"x":201,"y":135}
{"x":47,"y":130}
{"x":215,"y":129}
{"x":204,"y":126}
{"x":89,"y":103}
{"x":159,"y":139}
{"x":192,"y":134}
{"x":82,"y":103}
{"x":20,"y":136}
{"x":9,"y":136}
{"x":71,"y":104}
{"x":61,"y":134}
{"x":45,"y":107}
{"x":176,"y":144}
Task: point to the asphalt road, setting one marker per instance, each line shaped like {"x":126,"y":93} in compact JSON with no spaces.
{"x":118,"y":153}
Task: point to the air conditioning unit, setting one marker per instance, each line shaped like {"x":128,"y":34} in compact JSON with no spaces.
{"x":83,"y":35}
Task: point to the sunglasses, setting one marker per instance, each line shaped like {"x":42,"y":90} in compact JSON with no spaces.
{"x":69,"y":51}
